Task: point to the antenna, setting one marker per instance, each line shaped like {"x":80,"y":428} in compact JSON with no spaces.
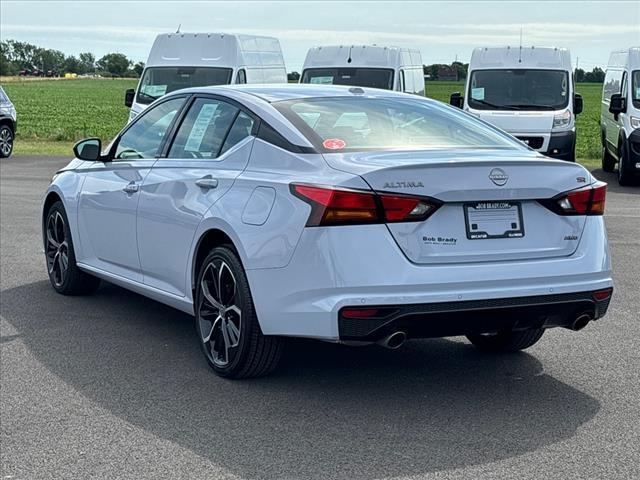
{"x":178,"y":30}
{"x":520,"y":51}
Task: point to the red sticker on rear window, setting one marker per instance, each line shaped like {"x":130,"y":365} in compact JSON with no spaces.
{"x":334,"y":144}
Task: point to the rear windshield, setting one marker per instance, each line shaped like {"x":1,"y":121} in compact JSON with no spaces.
{"x":359,"y":77}
{"x":157,"y":81}
{"x":519,"y":89}
{"x":335,"y":124}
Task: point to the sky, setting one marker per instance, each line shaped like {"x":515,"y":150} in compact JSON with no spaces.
{"x":443,"y":31}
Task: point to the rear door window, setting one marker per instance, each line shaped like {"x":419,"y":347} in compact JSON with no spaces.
{"x":203,"y":130}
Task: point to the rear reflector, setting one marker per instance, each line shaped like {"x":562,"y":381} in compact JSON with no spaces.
{"x":359,"y":312}
{"x":586,"y":201}
{"x":333,"y":206}
{"x":600,"y":295}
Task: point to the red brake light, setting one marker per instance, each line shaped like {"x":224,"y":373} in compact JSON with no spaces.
{"x":359,"y":312}
{"x":330,"y":206}
{"x":586,"y":201}
{"x":600,"y":295}
{"x":337,"y":207}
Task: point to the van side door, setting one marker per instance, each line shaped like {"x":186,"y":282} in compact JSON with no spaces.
{"x":211,"y":147}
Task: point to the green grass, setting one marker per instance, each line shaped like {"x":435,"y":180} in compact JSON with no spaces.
{"x":53,"y":114}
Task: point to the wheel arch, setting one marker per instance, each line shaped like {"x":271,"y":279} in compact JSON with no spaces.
{"x":50,"y":198}
{"x":9,"y":123}
{"x":208,"y":240}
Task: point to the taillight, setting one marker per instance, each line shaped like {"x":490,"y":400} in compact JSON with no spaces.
{"x":586,"y":201}
{"x":333,"y":206}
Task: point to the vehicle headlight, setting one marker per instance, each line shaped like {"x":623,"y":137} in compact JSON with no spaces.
{"x":635,"y":122}
{"x":562,"y":119}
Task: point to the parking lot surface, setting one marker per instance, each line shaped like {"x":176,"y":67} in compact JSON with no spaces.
{"x":114,"y":386}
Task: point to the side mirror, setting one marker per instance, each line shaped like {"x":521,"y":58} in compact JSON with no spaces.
{"x":456,"y":99}
{"x":577,"y":104}
{"x":88,"y":149}
{"x":129,"y":95}
{"x":617,"y":104}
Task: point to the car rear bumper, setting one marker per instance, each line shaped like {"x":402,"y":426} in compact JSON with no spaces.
{"x":444,"y":319}
{"x":337,"y":267}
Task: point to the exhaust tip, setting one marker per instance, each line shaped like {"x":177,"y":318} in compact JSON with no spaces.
{"x":393,"y":341}
{"x":581,"y":322}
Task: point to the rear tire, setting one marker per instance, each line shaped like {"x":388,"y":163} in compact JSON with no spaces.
{"x":506,"y":341}
{"x":65,"y":276}
{"x":608,"y":161}
{"x":226,"y":322}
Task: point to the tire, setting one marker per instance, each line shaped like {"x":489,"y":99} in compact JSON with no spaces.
{"x":226,"y":323}
{"x":65,"y":276}
{"x":6,"y":141}
{"x":625,"y":177}
{"x":608,"y":161}
{"x":506,"y":341}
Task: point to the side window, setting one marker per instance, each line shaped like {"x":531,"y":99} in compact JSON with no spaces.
{"x":623,"y":87}
{"x":402,"y":81}
{"x":144,"y":137}
{"x":203,"y":129}
{"x":241,"y":129}
{"x":241,"y":77}
{"x":611,"y":84}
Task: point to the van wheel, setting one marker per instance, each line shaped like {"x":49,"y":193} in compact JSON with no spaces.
{"x":608,"y":161}
{"x":506,"y":341}
{"x":65,"y":276}
{"x":625,"y":177}
{"x":226,"y":321}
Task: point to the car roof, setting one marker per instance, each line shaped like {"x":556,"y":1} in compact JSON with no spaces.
{"x":296,"y":91}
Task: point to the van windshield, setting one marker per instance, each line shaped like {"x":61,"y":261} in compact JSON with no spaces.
{"x":519,"y":89}
{"x":635,"y":88}
{"x":341,"y":124}
{"x":158,"y":81}
{"x":358,"y":77}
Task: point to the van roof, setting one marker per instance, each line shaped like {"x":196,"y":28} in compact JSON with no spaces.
{"x":214,"y":50}
{"x":362,"y":56}
{"x":545,"y":58}
{"x":625,"y":58}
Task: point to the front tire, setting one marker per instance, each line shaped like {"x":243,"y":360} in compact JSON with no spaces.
{"x":226,"y":321}
{"x":608,"y":161}
{"x":625,"y":177}
{"x":6,"y":141}
{"x":65,"y":276}
{"x":508,"y":341}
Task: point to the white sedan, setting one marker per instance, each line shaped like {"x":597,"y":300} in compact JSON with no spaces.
{"x":342,"y":214}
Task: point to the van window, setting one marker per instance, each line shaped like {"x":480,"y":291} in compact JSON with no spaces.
{"x":518,"y":89}
{"x":359,"y":77}
{"x":203,"y":130}
{"x":612,"y":83}
{"x":635,"y":88}
{"x":357,"y":124}
{"x":241,"y":77}
{"x":157,"y":81}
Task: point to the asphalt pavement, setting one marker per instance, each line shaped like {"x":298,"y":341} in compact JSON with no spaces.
{"x":114,"y":386}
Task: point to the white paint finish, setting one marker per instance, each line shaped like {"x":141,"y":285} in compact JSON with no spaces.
{"x":259,"y":206}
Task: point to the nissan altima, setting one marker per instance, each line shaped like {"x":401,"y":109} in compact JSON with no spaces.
{"x":343,"y":214}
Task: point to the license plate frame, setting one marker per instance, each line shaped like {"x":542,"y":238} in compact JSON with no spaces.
{"x":478,"y":215}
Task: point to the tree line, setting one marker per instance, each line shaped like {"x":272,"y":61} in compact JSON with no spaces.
{"x":23,"y":58}
{"x":27,"y":59}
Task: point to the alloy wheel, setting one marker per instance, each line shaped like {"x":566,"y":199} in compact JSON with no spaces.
{"x":219,"y":315}
{"x":6,"y":141}
{"x":57,"y":249}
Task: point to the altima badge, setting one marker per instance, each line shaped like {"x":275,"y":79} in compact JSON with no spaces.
{"x":498,"y":176}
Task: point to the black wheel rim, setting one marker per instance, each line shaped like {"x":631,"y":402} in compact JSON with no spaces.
{"x":6,"y":141}
{"x":219,"y":315}
{"x":57,"y":249}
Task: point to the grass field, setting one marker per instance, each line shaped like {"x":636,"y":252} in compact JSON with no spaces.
{"x":52,"y":114}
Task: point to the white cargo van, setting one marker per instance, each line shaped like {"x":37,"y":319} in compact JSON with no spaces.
{"x":182,"y":60}
{"x":620,"y":116}
{"x":390,"y":68}
{"x":527,"y":92}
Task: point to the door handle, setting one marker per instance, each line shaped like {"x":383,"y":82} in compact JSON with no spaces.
{"x":207,"y":182}
{"x":131,"y":188}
